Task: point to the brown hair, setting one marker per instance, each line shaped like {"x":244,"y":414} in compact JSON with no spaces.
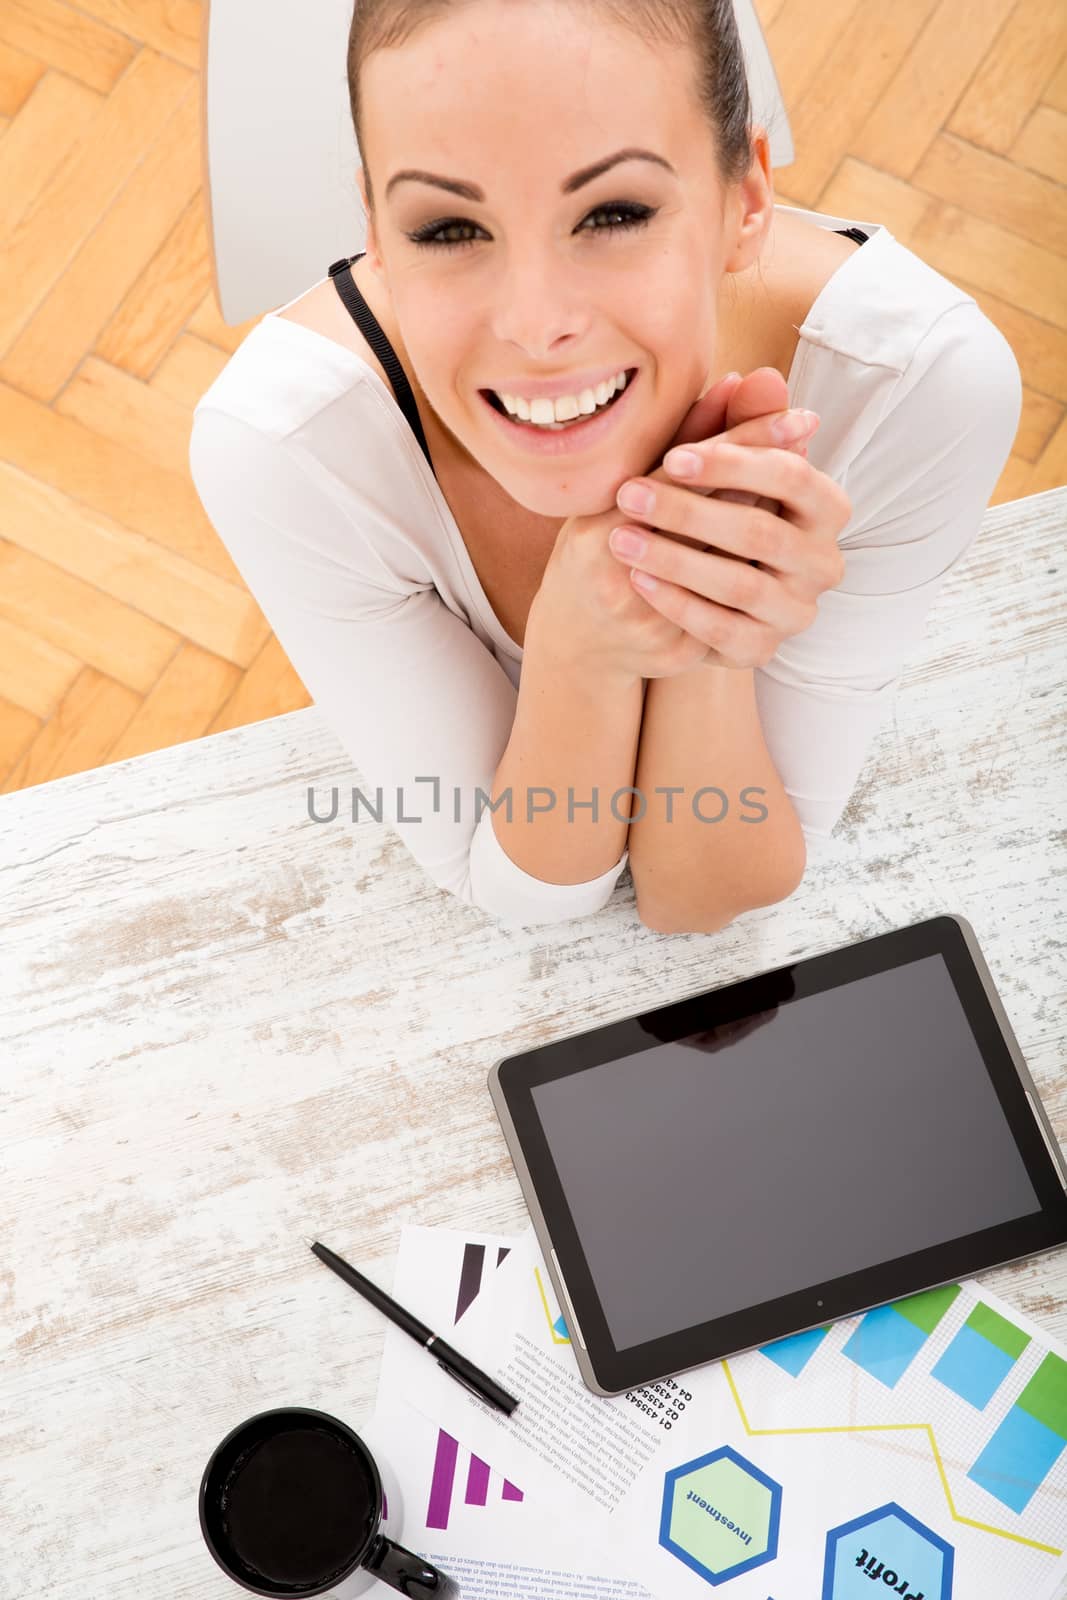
{"x":708,"y":27}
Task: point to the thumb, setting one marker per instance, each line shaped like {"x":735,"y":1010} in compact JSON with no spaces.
{"x":708,"y":415}
{"x":762,"y":391}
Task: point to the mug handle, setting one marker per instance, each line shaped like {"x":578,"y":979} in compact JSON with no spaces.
{"x":409,"y":1573}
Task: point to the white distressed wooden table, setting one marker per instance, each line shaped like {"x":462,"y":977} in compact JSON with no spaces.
{"x":225,"y":1028}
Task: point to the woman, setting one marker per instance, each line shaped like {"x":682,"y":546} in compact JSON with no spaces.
{"x":566,"y":198}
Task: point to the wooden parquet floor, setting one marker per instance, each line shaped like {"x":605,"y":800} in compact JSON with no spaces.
{"x":124,"y":625}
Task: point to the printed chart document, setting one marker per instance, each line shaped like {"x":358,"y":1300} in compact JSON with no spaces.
{"x":459,"y":1511}
{"x":919,"y":1449}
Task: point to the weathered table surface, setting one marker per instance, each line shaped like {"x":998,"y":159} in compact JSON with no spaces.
{"x":225,"y":1028}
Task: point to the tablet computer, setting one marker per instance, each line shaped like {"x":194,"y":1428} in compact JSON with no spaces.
{"x":765,"y":1157}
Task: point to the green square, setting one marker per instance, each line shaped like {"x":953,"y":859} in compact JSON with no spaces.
{"x":1045,"y":1396}
{"x":926,"y":1310}
{"x":998,"y":1330}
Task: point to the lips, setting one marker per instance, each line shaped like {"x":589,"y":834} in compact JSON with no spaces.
{"x":576,"y":438}
{"x":554,"y":388}
{"x":493,"y":396}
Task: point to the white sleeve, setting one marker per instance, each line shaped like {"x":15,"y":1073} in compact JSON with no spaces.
{"x":919,"y":488}
{"x":408,"y":688}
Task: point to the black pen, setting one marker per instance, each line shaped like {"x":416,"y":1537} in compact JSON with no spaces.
{"x":457,"y":1366}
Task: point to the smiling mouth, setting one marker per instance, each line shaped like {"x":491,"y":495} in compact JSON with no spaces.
{"x":555,"y":427}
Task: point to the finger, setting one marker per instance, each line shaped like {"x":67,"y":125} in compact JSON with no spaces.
{"x":708,"y":416}
{"x":730,"y":401}
{"x":808,"y":498}
{"x":710,"y":576}
{"x":783,"y":429}
{"x":779,"y":430}
{"x":742,"y":496}
{"x":759,"y":391}
{"x":739,"y":639}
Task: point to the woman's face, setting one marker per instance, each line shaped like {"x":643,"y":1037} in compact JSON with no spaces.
{"x":541,"y":276}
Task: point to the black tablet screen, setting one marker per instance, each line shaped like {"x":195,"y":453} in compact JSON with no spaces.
{"x":726,"y":1169}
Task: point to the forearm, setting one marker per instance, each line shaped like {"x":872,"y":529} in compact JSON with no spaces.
{"x":702,"y":729}
{"x":573,"y":745}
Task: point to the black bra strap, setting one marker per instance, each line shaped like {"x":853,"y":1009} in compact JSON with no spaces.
{"x":854,"y":233}
{"x":374,"y":334}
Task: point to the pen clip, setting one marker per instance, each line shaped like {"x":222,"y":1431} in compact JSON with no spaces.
{"x":452,"y":1373}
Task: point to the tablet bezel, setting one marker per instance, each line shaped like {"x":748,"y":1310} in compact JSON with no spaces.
{"x":609,"y":1371}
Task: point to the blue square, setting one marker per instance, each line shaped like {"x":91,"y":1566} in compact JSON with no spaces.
{"x":794,"y":1353}
{"x":885,"y":1344}
{"x":973,"y":1368}
{"x":1016,"y":1459}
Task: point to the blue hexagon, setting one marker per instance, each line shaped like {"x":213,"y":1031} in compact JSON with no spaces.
{"x":891,"y":1545}
{"x":720,"y":1515}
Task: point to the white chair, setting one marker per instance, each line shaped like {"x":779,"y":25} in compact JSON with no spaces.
{"x":279,"y":152}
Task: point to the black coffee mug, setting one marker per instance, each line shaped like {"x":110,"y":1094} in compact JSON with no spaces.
{"x":291,"y":1503}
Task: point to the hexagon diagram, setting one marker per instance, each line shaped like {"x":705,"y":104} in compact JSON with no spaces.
{"x":720,"y":1515}
{"x":891,"y":1548}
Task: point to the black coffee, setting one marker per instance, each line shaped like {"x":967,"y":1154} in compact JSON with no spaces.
{"x":298,"y":1507}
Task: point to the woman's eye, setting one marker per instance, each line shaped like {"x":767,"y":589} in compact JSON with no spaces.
{"x":633,"y":216}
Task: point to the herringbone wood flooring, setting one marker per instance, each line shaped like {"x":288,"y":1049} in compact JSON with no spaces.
{"x":124,"y":626}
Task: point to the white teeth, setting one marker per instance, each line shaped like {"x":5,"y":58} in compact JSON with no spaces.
{"x":550,"y":413}
{"x":545,"y":410}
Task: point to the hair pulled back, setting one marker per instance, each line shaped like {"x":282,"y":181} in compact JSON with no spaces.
{"x":708,"y":27}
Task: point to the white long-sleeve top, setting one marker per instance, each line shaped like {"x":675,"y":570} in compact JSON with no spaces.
{"x":316,"y":485}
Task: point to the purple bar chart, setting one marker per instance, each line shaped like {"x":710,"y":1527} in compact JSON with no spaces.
{"x":446,"y":1457}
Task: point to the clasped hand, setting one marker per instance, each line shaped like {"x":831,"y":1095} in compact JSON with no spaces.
{"x":739,"y":553}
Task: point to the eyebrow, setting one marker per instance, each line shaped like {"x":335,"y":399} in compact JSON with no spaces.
{"x":577,"y":180}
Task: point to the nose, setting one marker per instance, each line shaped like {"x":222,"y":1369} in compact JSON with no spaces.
{"x":540,"y":308}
